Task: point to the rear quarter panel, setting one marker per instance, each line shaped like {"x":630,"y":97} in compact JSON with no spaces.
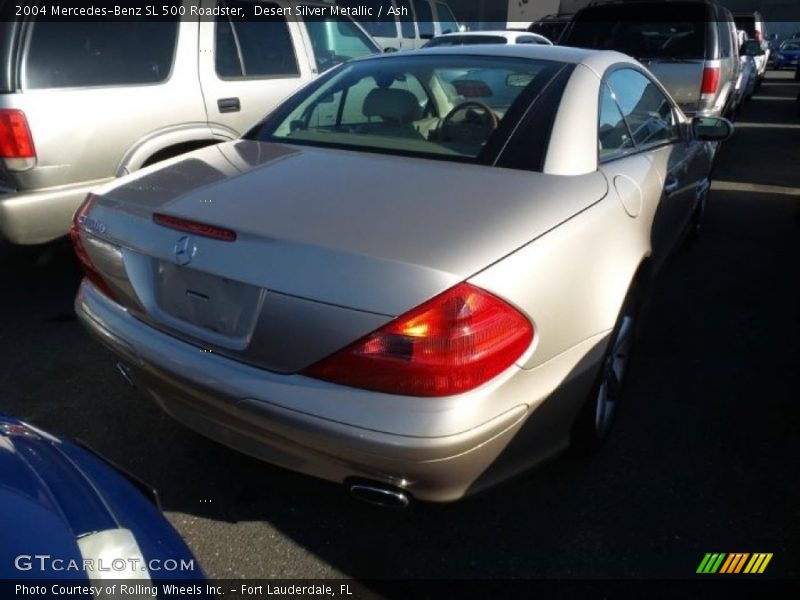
{"x":571,"y":282}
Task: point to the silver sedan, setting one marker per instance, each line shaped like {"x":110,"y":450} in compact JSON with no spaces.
{"x":417,"y":277}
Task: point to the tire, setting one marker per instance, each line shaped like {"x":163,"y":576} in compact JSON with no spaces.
{"x":596,"y":419}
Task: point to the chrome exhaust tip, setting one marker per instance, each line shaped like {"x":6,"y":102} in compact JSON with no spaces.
{"x":126,"y":375}
{"x":379,"y":494}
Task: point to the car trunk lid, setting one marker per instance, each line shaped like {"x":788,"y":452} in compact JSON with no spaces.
{"x":682,"y":78}
{"x":330,"y":245}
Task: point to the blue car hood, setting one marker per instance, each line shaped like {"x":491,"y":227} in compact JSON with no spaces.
{"x":53,"y":492}
{"x":33,"y":521}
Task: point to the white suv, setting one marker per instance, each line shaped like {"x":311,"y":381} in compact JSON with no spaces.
{"x":82,"y":102}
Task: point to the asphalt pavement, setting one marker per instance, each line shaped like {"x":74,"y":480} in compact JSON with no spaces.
{"x":704,"y":458}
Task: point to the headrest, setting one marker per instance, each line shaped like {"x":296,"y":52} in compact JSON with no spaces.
{"x":393,"y":104}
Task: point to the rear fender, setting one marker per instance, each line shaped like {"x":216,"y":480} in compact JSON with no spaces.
{"x":157,"y":142}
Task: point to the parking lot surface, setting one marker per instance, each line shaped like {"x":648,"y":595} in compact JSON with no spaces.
{"x":703,"y":458}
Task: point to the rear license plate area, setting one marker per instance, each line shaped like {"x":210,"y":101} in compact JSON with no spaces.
{"x":206,"y":301}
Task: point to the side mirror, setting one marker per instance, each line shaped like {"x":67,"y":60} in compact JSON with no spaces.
{"x":712,"y":129}
{"x":389,"y":49}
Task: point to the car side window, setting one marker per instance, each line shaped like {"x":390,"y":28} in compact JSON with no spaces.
{"x":406,"y":19}
{"x":446,"y":18}
{"x":63,"y":54}
{"x":254,"y":49}
{"x":335,"y":40}
{"x":725,"y":39}
{"x":383,"y":26}
{"x":424,"y":17}
{"x":614,"y":137}
{"x":647,"y":110}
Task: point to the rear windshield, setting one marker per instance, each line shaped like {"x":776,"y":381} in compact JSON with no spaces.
{"x":465,"y":40}
{"x":437,"y":106}
{"x":638,"y":31}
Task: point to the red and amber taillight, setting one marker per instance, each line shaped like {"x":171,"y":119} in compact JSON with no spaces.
{"x":89,"y":270}
{"x":451,"y":344}
{"x":16,"y":141}
{"x":710,"y":85}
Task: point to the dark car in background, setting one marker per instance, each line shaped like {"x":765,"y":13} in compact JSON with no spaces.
{"x":551,"y":26}
{"x":62,"y":501}
{"x":694,"y":54}
{"x":788,"y":55}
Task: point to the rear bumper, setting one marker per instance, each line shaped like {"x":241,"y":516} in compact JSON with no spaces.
{"x":39,"y":216}
{"x":251,"y":410}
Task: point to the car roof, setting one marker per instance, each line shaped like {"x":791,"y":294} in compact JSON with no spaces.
{"x":500,"y":32}
{"x":597,"y":60}
{"x":508,"y":34}
{"x":565,"y":16}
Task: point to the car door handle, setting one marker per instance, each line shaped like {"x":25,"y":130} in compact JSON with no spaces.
{"x":671,"y":185}
{"x":227,"y":105}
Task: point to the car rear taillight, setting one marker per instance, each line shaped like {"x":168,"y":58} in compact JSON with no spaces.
{"x":710,"y":83}
{"x":89,"y":270}
{"x":448,"y":345}
{"x":203,"y":229}
{"x":757,"y":36}
{"x":16,"y":141}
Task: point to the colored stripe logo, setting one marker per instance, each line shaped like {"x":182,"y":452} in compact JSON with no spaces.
{"x":737,"y":562}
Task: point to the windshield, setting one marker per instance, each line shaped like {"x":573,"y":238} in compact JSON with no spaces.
{"x":633,"y":31}
{"x":790,"y":46}
{"x":464,"y":40}
{"x":447,"y":106}
{"x":337,"y":40}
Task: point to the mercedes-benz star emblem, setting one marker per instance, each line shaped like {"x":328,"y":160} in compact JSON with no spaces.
{"x":184,"y":250}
